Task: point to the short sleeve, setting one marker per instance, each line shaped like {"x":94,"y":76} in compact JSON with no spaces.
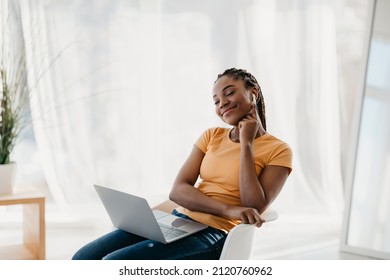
{"x":204,"y":139}
{"x":282,"y":157}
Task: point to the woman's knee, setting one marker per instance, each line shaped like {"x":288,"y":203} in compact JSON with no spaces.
{"x":86,"y":253}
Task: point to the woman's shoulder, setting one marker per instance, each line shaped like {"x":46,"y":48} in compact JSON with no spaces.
{"x":211,"y":137}
{"x":216,"y":131}
{"x":214,"y":134}
{"x":275,"y":141}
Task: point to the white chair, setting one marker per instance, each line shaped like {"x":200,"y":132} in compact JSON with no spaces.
{"x":240,"y":240}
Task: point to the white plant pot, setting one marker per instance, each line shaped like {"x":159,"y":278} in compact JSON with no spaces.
{"x":7,"y":178}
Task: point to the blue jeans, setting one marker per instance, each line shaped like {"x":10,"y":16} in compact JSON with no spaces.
{"x":121,"y":245}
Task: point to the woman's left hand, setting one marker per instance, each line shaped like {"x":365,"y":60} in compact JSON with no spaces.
{"x":249,"y":126}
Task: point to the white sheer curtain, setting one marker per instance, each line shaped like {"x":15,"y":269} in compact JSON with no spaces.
{"x":128,"y":89}
{"x":297,"y":61}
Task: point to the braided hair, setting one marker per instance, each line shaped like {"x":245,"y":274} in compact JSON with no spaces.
{"x":249,"y":81}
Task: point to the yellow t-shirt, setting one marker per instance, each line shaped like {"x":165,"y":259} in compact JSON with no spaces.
{"x":219,"y":171}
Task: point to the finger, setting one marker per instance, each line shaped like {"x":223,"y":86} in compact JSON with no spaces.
{"x":251,"y":220}
{"x":254,"y":111}
{"x":259,"y":220}
{"x":243,"y":120}
{"x":247,"y":118}
{"x":259,"y":224}
{"x":256,"y":217}
{"x":244,"y":218}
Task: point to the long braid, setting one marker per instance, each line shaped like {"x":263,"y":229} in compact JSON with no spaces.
{"x":249,"y":81}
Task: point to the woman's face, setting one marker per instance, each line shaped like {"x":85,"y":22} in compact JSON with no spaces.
{"x":232,"y":100}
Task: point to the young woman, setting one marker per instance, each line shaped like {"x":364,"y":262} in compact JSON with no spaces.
{"x":242,"y":171}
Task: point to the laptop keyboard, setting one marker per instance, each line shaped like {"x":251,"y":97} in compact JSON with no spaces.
{"x":171,"y":232}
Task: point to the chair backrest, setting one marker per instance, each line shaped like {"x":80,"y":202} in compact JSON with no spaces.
{"x":239,"y":242}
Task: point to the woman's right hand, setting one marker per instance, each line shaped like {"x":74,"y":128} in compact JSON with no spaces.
{"x":247,"y":215}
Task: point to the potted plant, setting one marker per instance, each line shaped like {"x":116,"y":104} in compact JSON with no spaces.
{"x":13,"y":91}
{"x":11,"y":108}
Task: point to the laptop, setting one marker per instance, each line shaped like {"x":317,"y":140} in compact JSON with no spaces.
{"x":133,"y":214}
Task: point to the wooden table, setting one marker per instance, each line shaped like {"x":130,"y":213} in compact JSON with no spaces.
{"x":34,"y":242}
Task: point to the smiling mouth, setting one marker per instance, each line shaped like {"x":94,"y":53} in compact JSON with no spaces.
{"x":228,"y":110}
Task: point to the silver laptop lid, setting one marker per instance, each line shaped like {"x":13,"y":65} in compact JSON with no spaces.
{"x":130,"y":213}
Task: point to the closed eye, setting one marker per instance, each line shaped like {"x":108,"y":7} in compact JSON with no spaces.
{"x":230,"y":93}
{"x":227,"y":94}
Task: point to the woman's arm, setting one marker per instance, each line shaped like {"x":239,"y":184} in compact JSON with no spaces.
{"x":185,"y":194}
{"x":257,"y":192}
